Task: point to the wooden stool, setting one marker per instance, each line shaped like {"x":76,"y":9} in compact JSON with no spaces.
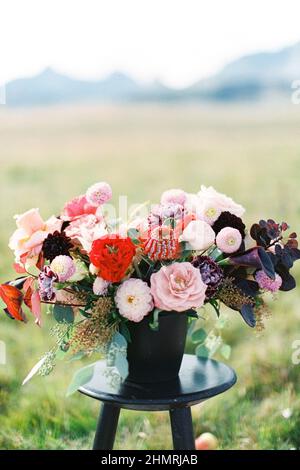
{"x":199,"y":379}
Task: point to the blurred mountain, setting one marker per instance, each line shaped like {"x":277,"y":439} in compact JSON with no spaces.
{"x":50,"y":87}
{"x":252,"y":77}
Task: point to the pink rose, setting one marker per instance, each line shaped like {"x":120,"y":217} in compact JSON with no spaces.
{"x":178,"y":287}
{"x":77,"y":207}
{"x":27,"y":240}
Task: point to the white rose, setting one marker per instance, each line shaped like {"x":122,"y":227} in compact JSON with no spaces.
{"x":199,"y":235}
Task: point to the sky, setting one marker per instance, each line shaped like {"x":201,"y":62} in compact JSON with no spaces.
{"x":175,"y":41}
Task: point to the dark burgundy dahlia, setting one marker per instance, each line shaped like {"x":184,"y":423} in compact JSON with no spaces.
{"x":56,"y":244}
{"x":227,"y":219}
{"x":211,"y":273}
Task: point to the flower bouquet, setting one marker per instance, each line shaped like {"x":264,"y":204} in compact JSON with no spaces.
{"x":130,"y":290}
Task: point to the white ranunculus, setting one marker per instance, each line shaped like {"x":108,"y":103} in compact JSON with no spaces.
{"x":199,"y":235}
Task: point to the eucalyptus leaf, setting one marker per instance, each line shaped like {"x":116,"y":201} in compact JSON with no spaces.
{"x":202,"y":351}
{"x":121,"y":364}
{"x":80,"y":378}
{"x":225,"y":351}
{"x":199,"y":336}
{"x":119,"y":340}
{"x":63,"y":314}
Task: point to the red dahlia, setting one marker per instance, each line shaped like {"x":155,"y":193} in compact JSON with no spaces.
{"x":112,"y":255}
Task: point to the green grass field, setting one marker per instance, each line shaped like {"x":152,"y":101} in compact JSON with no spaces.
{"x":253,"y":154}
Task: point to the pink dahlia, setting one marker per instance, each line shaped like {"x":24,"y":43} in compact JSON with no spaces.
{"x":99,"y":194}
{"x":134,"y":299}
{"x":229,"y":240}
{"x":174,"y":196}
{"x":178,"y":287}
{"x":267,"y":283}
{"x":64,"y":267}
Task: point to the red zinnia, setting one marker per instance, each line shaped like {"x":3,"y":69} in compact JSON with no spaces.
{"x":112,"y":255}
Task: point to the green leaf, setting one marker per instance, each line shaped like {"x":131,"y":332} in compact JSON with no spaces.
{"x":202,"y":351}
{"x":225,"y":351}
{"x":134,"y":235}
{"x":121,"y":364}
{"x":216,"y":306}
{"x":2,"y":304}
{"x":154,"y":325}
{"x":199,"y":336}
{"x":80,"y":378}
{"x":63,"y":314}
{"x":84,"y":313}
{"x":192,"y":313}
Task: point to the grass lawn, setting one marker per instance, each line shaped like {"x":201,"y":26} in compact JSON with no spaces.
{"x":253,"y":154}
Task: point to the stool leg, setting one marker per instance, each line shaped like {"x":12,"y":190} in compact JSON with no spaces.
{"x":182,"y":429}
{"x":106,"y":427}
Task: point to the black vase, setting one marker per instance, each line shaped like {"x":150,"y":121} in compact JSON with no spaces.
{"x":156,"y":356}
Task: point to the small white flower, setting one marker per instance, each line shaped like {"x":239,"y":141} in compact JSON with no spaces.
{"x":100,"y":286}
{"x":134,"y":299}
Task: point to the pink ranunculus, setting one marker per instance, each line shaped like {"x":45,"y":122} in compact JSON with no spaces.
{"x":77,"y":207}
{"x":27,"y":240}
{"x":178,"y":287}
{"x":229,"y":240}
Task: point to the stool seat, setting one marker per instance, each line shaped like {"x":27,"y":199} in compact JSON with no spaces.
{"x":199,"y":379}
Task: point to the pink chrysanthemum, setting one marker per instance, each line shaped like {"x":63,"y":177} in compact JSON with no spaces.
{"x":64,"y":267}
{"x":99,"y":194}
{"x":229,"y":240}
{"x":266,"y":283}
{"x":174,"y":196}
{"x":134,"y":299}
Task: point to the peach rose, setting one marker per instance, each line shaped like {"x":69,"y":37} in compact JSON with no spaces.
{"x":178,"y":287}
{"x":27,"y":240}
